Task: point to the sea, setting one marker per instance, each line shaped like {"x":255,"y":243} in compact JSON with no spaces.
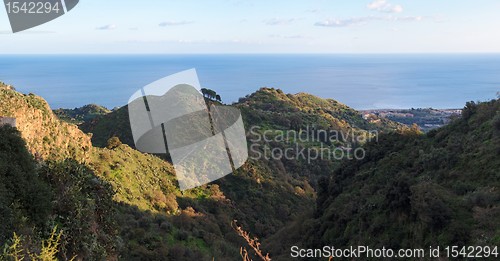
{"x":361,"y":81}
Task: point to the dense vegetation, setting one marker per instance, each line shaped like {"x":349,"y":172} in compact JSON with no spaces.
{"x":23,"y":194}
{"x":152,"y":217}
{"x":270,"y":106}
{"x":37,"y":198}
{"x":413,"y":191}
{"x":110,"y":201}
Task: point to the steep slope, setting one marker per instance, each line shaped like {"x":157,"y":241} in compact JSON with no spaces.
{"x":22,"y":193}
{"x":46,"y":136}
{"x":290,"y":183}
{"x":143,"y":185}
{"x":272,"y":111}
{"x":39,"y":197}
{"x":413,"y":191}
{"x":153,"y":218}
{"x":51,"y":139}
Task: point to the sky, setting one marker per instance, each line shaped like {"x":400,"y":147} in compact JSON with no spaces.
{"x":259,"y":26}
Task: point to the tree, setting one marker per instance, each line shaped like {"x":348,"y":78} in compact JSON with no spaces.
{"x":204,"y":91}
{"x":469,"y":109}
{"x":211,"y":94}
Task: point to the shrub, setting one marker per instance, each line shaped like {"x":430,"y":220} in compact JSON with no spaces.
{"x":113,"y":142}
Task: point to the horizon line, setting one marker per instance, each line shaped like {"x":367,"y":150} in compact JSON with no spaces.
{"x":259,"y":53}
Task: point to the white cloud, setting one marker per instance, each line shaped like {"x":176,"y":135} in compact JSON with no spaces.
{"x":174,"y":23}
{"x":295,"y":36}
{"x":377,"y":4}
{"x":106,"y":27}
{"x":313,"y":11}
{"x":279,"y":21}
{"x":408,"y":18}
{"x":397,"y":9}
{"x":347,"y":22}
{"x":384,"y":6}
{"x":365,"y":19}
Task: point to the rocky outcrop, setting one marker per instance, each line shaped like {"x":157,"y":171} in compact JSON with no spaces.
{"x":7,"y":121}
{"x":46,"y":136}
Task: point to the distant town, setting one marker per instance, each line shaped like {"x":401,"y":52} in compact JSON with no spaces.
{"x":427,"y":119}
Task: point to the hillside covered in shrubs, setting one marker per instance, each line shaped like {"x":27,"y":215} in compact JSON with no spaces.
{"x":85,"y":186}
{"x":412,"y":191}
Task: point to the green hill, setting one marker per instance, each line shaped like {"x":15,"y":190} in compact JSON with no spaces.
{"x":289,"y":184}
{"x":149,"y":216}
{"x":268,"y":107}
{"x":113,"y":124}
{"x":141,"y":185}
{"x":82,"y":114}
{"x":291,"y":111}
{"x":412,"y":191}
{"x":113,"y":202}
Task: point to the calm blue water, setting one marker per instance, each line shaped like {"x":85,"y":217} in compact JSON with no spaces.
{"x":360,"y":81}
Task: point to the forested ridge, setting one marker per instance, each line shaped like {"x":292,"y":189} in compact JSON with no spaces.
{"x":107,"y":200}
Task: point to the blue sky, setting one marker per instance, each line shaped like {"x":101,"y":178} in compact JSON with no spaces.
{"x":239,"y":26}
